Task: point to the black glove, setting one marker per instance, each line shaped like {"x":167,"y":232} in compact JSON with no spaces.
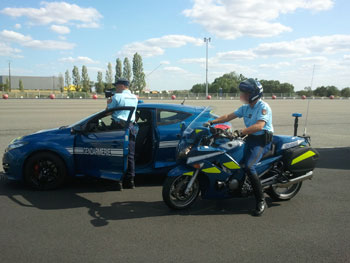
{"x":238,"y":133}
{"x":207,"y":124}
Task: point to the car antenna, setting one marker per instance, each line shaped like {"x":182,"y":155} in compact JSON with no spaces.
{"x":183,"y":102}
{"x":308,"y":101}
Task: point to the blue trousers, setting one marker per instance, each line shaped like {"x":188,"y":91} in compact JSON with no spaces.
{"x":130,"y":172}
{"x":254,"y":151}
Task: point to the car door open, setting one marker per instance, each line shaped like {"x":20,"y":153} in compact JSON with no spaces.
{"x":101,"y":148}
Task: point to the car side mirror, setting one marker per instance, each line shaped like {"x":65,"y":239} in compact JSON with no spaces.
{"x":78,"y":129}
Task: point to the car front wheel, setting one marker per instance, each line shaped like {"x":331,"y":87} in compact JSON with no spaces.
{"x":45,"y":171}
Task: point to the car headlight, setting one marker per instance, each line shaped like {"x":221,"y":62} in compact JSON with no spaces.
{"x":15,"y":145}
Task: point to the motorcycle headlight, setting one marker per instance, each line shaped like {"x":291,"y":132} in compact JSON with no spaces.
{"x":15,"y":145}
{"x":182,"y":150}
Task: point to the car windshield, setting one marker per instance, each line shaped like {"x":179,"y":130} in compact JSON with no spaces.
{"x":85,"y":119}
{"x":193,"y":123}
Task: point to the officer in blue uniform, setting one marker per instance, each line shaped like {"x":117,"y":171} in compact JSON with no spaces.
{"x":123,"y":97}
{"x":257,"y":117}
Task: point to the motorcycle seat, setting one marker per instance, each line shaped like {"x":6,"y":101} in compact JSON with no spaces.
{"x":270,"y":153}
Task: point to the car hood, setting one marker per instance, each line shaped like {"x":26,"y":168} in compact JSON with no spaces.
{"x":44,"y":134}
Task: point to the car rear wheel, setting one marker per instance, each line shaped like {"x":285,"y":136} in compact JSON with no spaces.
{"x":45,"y":171}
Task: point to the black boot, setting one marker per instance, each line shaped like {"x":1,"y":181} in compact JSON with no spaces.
{"x":260,"y":208}
{"x":117,"y":186}
{"x":258,"y":193}
{"x":129,"y":183}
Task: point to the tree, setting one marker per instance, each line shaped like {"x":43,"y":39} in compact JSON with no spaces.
{"x":100,"y":86}
{"x":274,"y":86}
{"x":127,"y":69}
{"x":307,"y":91}
{"x":20,"y":85}
{"x":199,"y":88}
{"x":68,"y":80}
{"x":118,"y":70}
{"x":332,"y":90}
{"x":85,"y":79}
{"x":228,"y":83}
{"x":326,"y":91}
{"x":76,"y":78}
{"x":109,"y":76}
{"x":345,"y":92}
{"x":138,"y":82}
{"x":61,"y":82}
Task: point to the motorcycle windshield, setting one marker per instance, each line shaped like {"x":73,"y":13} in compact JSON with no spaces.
{"x":188,"y":132}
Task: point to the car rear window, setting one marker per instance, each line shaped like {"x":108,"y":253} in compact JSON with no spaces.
{"x":166,"y":117}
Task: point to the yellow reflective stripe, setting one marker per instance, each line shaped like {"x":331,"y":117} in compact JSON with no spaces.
{"x":211,"y":170}
{"x":231,"y":165}
{"x":188,"y":173}
{"x":198,"y":130}
{"x":302,"y":157}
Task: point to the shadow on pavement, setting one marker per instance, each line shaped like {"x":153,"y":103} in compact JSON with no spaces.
{"x":69,"y":197}
{"x":334,"y":158}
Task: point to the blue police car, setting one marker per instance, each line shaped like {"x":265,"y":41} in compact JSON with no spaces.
{"x":95,"y":147}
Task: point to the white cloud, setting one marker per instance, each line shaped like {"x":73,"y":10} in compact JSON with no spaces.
{"x":58,"y":13}
{"x":18,"y":26}
{"x":277,"y":65}
{"x":156,"y":46}
{"x":27,"y":41}
{"x":164,"y":62}
{"x":175,"y":69}
{"x":312,"y":60}
{"x":192,"y":60}
{"x":230,"y":19}
{"x":8,"y":51}
{"x":60,"y":29}
{"x":303,"y":46}
{"x":236,"y":55}
{"x":78,"y":59}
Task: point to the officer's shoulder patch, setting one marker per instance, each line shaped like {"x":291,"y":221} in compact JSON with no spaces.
{"x":264,"y":111}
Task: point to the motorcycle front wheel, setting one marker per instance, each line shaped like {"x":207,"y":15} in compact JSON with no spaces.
{"x":174,"y":192}
{"x":284,"y":194}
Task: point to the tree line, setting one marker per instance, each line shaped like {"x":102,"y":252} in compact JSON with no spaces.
{"x":135,"y":75}
{"x":229,"y":82}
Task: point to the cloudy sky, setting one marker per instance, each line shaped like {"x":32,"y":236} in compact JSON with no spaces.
{"x":265,"y":39}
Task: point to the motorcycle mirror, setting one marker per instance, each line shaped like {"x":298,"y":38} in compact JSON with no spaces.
{"x":182,"y":126}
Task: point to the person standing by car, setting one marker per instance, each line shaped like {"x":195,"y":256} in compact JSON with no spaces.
{"x":257,"y":117}
{"x":124,"y":97}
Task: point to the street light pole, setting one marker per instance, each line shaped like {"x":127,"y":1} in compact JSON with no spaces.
{"x":206,"y":40}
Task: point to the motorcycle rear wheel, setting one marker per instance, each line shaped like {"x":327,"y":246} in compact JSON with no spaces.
{"x":174,"y":192}
{"x":284,"y":194}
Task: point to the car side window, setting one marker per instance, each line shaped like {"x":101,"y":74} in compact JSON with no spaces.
{"x":107,"y":122}
{"x":166,"y":117}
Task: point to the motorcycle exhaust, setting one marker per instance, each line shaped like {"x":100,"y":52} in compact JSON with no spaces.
{"x":296,"y":180}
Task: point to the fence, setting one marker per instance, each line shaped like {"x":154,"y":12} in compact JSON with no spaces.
{"x":151,"y":96}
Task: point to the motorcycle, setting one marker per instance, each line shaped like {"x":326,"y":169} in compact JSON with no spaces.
{"x":210,"y":163}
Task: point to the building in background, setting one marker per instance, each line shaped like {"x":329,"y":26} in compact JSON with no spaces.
{"x":32,"y":83}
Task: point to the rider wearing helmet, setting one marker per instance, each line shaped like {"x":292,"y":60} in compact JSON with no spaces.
{"x":257,"y":117}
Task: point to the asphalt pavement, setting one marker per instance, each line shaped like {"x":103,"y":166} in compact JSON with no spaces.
{"x":88,"y":221}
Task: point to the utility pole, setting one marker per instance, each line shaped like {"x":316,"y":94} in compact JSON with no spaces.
{"x":206,"y":40}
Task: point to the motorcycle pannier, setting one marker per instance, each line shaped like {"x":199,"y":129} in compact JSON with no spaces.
{"x":300,"y":160}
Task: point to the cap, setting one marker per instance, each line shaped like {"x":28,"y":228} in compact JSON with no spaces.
{"x":122,"y":81}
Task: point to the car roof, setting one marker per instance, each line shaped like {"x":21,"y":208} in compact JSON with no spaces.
{"x":169,"y":106}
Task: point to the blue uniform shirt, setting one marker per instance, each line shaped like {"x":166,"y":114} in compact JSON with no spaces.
{"x":260,"y":111}
{"x":126,"y":98}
